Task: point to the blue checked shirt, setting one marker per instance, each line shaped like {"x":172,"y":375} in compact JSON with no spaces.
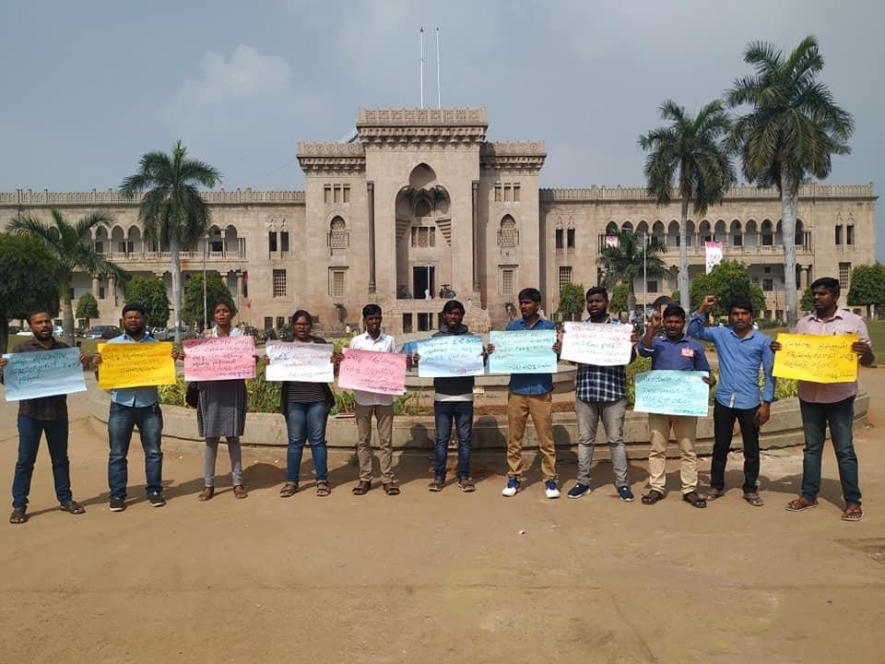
{"x":595,"y":384}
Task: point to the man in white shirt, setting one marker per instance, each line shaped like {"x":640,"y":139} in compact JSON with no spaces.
{"x":369,"y":403}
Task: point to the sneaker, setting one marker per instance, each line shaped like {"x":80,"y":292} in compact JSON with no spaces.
{"x":550,"y":489}
{"x":156,"y":499}
{"x":513,"y":486}
{"x":118,"y":504}
{"x":578,"y":491}
{"x":625,"y":494}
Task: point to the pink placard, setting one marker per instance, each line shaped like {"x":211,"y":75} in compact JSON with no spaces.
{"x":382,"y":373}
{"x":219,"y":358}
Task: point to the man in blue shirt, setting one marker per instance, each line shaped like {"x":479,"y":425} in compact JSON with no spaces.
{"x":530,"y":394}
{"x":673,"y":352}
{"x":130,"y":407}
{"x":742,"y":352}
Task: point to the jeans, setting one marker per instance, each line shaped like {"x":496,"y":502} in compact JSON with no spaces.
{"x":121,"y":421}
{"x":29,"y":434}
{"x":612,"y":413}
{"x":306,"y":422}
{"x":840,"y":416}
{"x":443,"y":413}
{"x":723,"y":430}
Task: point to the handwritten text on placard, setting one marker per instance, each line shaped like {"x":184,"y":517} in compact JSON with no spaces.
{"x":43,"y":374}
{"x":597,"y":343}
{"x":523,"y":351}
{"x":307,"y":363}
{"x":219,"y":358}
{"x":450,"y":356}
{"x":672,"y":393}
{"x":816,"y":358}
{"x":382,"y":373}
{"x":135,"y":365}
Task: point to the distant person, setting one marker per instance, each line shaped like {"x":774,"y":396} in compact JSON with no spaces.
{"x":36,"y":417}
{"x":743,"y":353}
{"x":832,"y":404}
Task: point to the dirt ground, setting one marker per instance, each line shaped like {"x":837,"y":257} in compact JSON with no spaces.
{"x":440,"y":577}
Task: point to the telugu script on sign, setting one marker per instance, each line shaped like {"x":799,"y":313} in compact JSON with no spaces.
{"x":599,"y":344}
{"x":450,"y":356}
{"x":307,"y":363}
{"x":135,"y":365}
{"x":219,"y":358}
{"x":43,"y":374}
{"x":672,"y":393}
{"x":816,"y":358}
{"x":382,"y":373}
{"x":523,"y":352}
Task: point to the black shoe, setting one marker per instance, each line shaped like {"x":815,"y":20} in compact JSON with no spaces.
{"x":156,"y":499}
{"x":118,"y":504}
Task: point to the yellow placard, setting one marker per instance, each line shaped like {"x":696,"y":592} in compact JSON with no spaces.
{"x":816,"y":358}
{"x":135,"y":365}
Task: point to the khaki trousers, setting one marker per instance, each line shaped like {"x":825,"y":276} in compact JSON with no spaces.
{"x":384,"y":418}
{"x":540,"y":407}
{"x":685,"y":430}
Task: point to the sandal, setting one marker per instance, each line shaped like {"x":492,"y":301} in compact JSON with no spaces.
{"x":466,"y":485}
{"x":362,"y":488}
{"x":852,"y":513}
{"x":754,"y":499}
{"x":652,"y":497}
{"x":72,"y":507}
{"x":288,"y":490}
{"x":206,"y":494}
{"x":323,"y":489}
{"x":693,"y":499}
{"x":18,"y":515}
{"x":436,"y":485}
{"x":800,"y":504}
{"x":240,"y":491}
{"x":712,"y":494}
{"x":390,"y":489}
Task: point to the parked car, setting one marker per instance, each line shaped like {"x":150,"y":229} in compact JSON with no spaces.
{"x":58,"y":331}
{"x":158,"y":333}
{"x":13,"y":329}
{"x":184,"y":331}
{"x":102,"y":332}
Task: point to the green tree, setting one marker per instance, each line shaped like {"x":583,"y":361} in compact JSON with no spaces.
{"x":571,"y":300}
{"x":806,"y":303}
{"x":727,"y":281}
{"x":623,"y":263}
{"x":690,"y":151}
{"x":28,"y":280}
{"x":867,"y":286}
{"x":87,"y":307}
{"x":151,"y":294}
{"x":172,"y":210}
{"x":791,"y":131}
{"x":71,"y":246}
{"x":618,"y":300}
{"x":216,"y":291}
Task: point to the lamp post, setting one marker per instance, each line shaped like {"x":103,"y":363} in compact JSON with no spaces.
{"x":644,"y":276}
{"x":205,"y":304}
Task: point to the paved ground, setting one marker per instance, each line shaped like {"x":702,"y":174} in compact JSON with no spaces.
{"x":440,"y":577}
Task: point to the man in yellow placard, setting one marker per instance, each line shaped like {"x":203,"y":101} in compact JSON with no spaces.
{"x":130,"y":407}
{"x":830,"y":403}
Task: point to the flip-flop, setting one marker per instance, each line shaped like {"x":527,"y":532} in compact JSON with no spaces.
{"x":754,"y":499}
{"x":240,"y":492}
{"x":72,"y":507}
{"x":289,"y":489}
{"x":206,"y":494}
{"x":852,"y":513}
{"x":18,"y":516}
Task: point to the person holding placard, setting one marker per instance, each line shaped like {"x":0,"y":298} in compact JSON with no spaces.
{"x":530,"y":394}
{"x":830,"y":404}
{"x":452,"y":400}
{"x":36,"y":417}
{"x":379,"y":405}
{"x":743,"y":352}
{"x":601,"y":392}
{"x":306,"y":405}
{"x":131,"y":407}
{"x":674,"y":352}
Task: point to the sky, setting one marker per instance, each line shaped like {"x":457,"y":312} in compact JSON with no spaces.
{"x":89,"y":87}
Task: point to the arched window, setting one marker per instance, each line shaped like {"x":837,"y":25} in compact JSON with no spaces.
{"x":508,"y":236}
{"x":611,"y":229}
{"x":338,"y":236}
{"x":560,"y":238}
{"x":800,"y":234}
{"x":767,"y":236}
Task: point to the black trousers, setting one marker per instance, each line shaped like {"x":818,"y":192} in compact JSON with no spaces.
{"x":723,"y":428}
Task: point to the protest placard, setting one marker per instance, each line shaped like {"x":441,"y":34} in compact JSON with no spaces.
{"x":672,"y":393}
{"x":135,"y":365}
{"x":450,"y":356}
{"x":43,"y":374}
{"x":219,"y":358}
{"x":523,"y":351}
{"x":816,"y":357}
{"x":382,"y":373}
{"x":597,"y":343}
{"x":308,"y":363}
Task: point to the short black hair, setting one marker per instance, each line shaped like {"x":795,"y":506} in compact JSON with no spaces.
{"x":453,"y":305}
{"x":371,"y":310}
{"x":35,"y":312}
{"x":741,"y":303}
{"x":674,"y":310}
{"x":133,"y":306}
{"x":829,"y":283}
{"x":532,"y":294}
{"x":301,"y":313}
{"x":596,"y":290}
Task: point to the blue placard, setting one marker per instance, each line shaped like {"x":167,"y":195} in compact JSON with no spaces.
{"x":450,"y":356}
{"x":523,"y":352}
{"x":672,"y":393}
{"x":43,"y":374}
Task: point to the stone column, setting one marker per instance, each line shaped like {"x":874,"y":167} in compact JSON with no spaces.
{"x":96,"y":286}
{"x":475,"y":189}
{"x":370,"y":190}
{"x":239,"y":285}
{"x":112,"y":290}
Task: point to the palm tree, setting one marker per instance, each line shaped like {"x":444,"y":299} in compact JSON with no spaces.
{"x":72,"y":248}
{"x":623,"y":261}
{"x":172,"y":210}
{"x":691,"y":150}
{"x":792,"y":130}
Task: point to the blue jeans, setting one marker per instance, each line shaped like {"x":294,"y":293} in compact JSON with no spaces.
{"x":444,"y":412}
{"x":29,"y":433}
{"x":121,"y":421}
{"x":306,"y":422}
{"x":840,"y":416}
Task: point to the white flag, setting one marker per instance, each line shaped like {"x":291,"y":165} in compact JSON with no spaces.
{"x":714,"y":254}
